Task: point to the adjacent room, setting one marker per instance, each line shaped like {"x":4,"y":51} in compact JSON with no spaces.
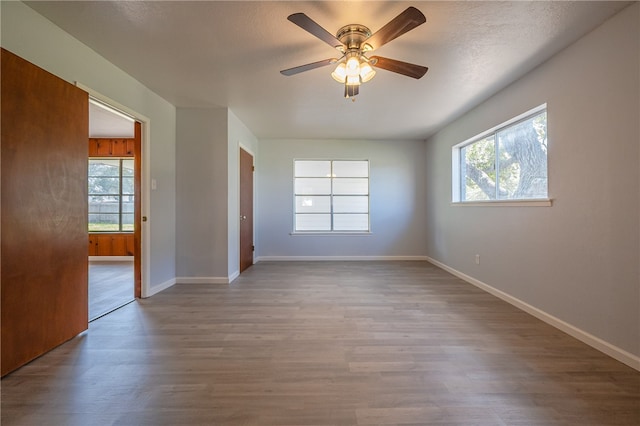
{"x":113,"y":200}
{"x":334,"y":213}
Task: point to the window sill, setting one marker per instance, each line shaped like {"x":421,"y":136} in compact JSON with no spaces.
{"x":326,"y":234}
{"x":505,"y":203}
{"x":111,"y":232}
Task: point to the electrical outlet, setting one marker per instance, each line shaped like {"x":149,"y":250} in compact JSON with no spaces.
{"x":477,"y":259}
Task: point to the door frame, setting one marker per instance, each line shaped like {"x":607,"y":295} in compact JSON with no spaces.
{"x":145,"y":180}
{"x":253,"y":224}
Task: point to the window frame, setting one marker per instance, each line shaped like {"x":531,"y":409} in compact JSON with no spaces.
{"x":331,"y":196}
{"x":456,"y":168}
{"x":120,"y":196}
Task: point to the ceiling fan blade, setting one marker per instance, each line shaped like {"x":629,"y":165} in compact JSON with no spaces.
{"x":406,"y":21}
{"x":309,"y":25}
{"x":404,"y":68}
{"x":307,"y":67}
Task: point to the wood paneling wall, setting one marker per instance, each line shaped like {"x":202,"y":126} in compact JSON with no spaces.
{"x":45,"y":123}
{"x":112,"y":244}
{"x":105,"y":147}
{"x":108,"y":244}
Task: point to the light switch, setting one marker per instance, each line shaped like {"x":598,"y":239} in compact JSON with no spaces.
{"x":154,"y":184}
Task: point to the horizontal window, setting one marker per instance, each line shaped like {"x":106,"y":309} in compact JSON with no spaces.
{"x":111,"y":195}
{"x":508,"y":162}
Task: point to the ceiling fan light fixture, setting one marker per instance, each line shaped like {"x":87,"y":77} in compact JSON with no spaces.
{"x":340,"y":73}
{"x":354,"y":71}
{"x":353,"y":65}
{"x":366,"y":72}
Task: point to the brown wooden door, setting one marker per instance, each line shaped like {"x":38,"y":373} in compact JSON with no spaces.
{"x":45,"y":123}
{"x":246,"y":210}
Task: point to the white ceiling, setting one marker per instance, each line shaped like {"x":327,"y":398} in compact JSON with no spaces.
{"x":229,"y":54}
{"x":107,"y":123}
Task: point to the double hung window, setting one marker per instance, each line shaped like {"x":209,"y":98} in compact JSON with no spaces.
{"x":111,"y":194}
{"x":331,"y":195}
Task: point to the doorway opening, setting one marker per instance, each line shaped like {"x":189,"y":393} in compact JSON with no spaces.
{"x":114,"y":223}
{"x":246,"y":209}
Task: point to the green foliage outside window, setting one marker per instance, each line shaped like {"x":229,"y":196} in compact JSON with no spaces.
{"x":517,"y":171}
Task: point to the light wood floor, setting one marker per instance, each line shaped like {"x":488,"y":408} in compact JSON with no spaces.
{"x":110,"y":286}
{"x":352,"y":343}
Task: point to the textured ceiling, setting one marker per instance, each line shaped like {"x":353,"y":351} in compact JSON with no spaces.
{"x":229,"y":54}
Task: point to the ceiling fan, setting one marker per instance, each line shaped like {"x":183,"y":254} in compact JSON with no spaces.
{"x":354,"y":41}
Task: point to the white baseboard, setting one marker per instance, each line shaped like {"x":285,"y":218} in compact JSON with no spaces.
{"x":190,"y":280}
{"x":233,"y":276}
{"x":335,"y":258}
{"x":202,"y":280}
{"x":607,"y":348}
{"x":158,"y":288}
{"x":111,"y":258}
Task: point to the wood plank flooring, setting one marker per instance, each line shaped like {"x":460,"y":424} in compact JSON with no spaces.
{"x":110,"y":286}
{"x":315,"y":343}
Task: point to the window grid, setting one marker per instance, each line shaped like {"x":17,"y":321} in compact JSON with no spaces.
{"x":120,"y":195}
{"x":332,"y":196}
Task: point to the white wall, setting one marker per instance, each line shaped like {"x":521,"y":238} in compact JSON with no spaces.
{"x":201,"y":167}
{"x":208,"y":229}
{"x":577,"y":261}
{"x":34,"y":38}
{"x":397,"y":199}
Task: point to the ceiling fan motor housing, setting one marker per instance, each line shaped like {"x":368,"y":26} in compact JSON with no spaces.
{"x":352,"y":36}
